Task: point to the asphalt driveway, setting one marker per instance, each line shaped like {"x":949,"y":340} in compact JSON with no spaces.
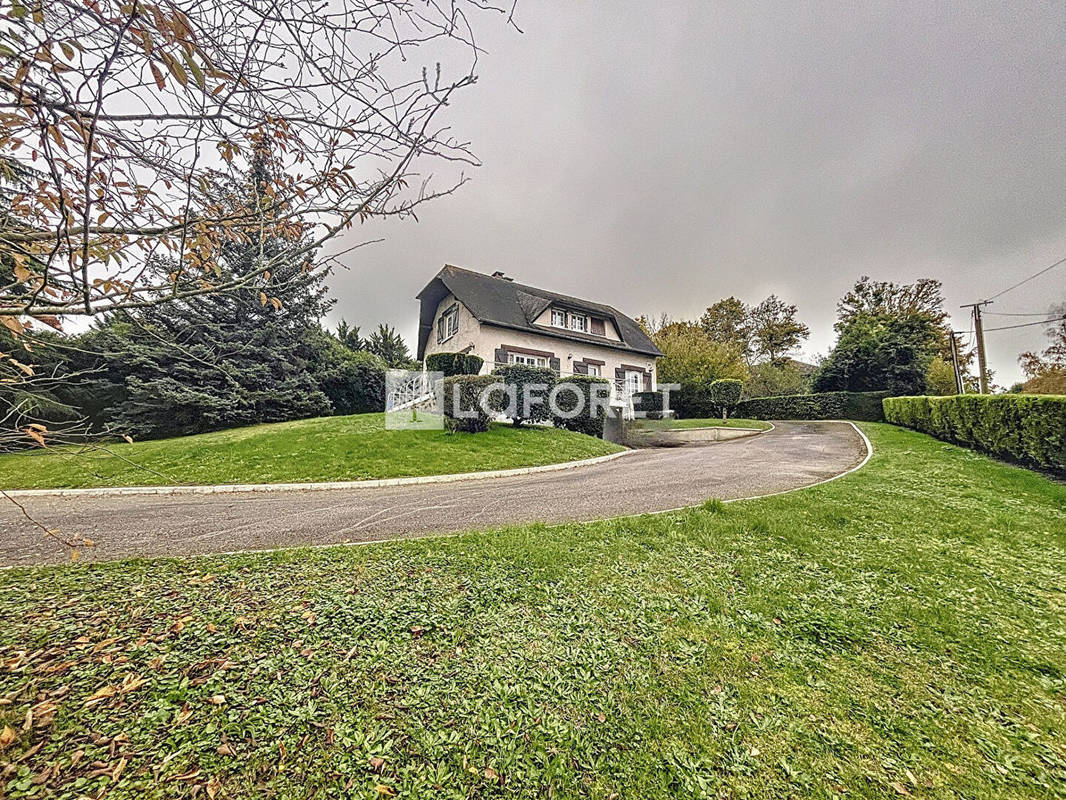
{"x":793,"y":455}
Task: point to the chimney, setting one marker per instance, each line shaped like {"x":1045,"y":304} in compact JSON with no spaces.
{"x":501,"y":276}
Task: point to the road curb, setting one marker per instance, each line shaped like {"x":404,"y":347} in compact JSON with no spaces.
{"x":377,"y":483}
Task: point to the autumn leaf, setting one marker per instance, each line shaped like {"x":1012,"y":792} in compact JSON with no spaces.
{"x":217,"y":699}
{"x":7,"y":736}
{"x":183,"y":715}
{"x":376,"y":763}
{"x":213,"y":787}
{"x":384,"y":790}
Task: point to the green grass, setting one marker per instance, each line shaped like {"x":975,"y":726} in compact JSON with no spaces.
{"x":896,"y":632}
{"x":322,"y":449}
{"x":711,"y":422}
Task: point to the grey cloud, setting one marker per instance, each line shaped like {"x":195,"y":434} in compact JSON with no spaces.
{"x":661,"y":156}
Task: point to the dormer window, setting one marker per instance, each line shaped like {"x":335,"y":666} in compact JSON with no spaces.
{"x":579,"y":322}
{"x":561,"y":318}
{"x":448,"y":323}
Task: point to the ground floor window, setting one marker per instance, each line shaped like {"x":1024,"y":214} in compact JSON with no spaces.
{"x":634,"y":381}
{"x":593,"y":369}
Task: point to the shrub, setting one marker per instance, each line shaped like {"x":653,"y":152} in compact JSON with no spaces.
{"x":864,"y":406}
{"x":454,"y":363}
{"x":354,"y":381}
{"x":579,"y":391}
{"x":651,"y":403}
{"x":467,"y":407}
{"x":528,"y":404}
{"x":725,"y":394}
{"x":1030,"y":429}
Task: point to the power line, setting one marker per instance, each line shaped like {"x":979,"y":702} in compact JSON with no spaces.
{"x":1016,"y":313}
{"x":1031,"y":277}
{"x":1026,"y":324}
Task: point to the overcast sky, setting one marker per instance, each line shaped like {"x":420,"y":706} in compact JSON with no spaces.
{"x":661,"y":156}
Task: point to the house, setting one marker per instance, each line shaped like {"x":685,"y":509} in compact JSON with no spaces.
{"x":505,"y":322}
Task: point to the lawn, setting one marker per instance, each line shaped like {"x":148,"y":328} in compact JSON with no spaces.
{"x":322,"y":449}
{"x":898,"y":632}
{"x":711,"y":422}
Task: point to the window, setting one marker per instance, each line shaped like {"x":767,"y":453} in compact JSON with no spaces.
{"x":579,"y":322}
{"x":448,"y":323}
{"x":634,"y":382}
{"x":531,"y":361}
{"x":565,"y":319}
{"x":593,"y":369}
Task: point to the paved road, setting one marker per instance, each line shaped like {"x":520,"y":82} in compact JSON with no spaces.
{"x":795,"y":454}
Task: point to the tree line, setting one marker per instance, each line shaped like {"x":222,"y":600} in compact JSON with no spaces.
{"x":206,"y":362}
{"x":890,"y":337}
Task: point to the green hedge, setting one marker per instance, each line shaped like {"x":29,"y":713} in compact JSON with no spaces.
{"x":1019,"y":427}
{"x":651,"y":403}
{"x":523,"y":378}
{"x":584,"y":421}
{"x":463,"y":409}
{"x":454,"y":363}
{"x":864,"y":406}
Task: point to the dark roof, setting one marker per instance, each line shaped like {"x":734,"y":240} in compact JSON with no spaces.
{"x":502,"y":302}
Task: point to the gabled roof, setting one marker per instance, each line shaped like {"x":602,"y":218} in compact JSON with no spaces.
{"x":502,"y":302}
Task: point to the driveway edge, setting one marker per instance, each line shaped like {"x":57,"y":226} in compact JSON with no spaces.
{"x":376,"y":483}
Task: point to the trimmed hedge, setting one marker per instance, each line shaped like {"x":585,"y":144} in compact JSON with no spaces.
{"x":522,"y":377}
{"x":651,"y":403}
{"x":454,"y":363}
{"x":566,"y":400}
{"x":1030,"y":428}
{"x":463,"y":409}
{"x":863,"y":406}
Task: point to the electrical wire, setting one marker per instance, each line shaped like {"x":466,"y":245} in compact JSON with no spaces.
{"x":1014,"y":314}
{"x":1026,"y":324}
{"x":1026,"y":280}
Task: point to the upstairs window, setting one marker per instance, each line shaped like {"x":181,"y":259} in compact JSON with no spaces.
{"x":448,"y":323}
{"x":558,"y":318}
{"x":531,"y":361}
{"x":579,"y":322}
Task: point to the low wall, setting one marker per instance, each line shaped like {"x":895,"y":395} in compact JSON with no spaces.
{"x":681,"y":437}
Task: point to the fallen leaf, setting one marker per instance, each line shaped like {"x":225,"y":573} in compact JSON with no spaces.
{"x":183,"y":715}
{"x":213,"y":787}
{"x":382,"y":789}
{"x":900,"y":788}
{"x":7,"y":736}
{"x":755,"y":751}
{"x":601,"y":717}
{"x":217,"y":699}
{"x":225,"y":750}
{"x":376,"y":762}
{"x":492,"y":775}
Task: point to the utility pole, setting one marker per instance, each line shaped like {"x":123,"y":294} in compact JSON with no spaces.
{"x":980,"y":333}
{"x":960,"y":387}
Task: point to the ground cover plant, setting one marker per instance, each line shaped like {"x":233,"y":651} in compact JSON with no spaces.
{"x":329,"y":448}
{"x":897,"y":632}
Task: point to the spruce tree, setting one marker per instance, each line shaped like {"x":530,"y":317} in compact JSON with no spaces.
{"x":222,"y":360}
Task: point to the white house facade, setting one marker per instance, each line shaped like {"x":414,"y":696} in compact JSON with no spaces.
{"x":505,"y":322}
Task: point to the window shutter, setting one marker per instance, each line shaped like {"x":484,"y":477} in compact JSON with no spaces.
{"x":553,"y":363}
{"x":619,"y":375}
{"x":647,"y":381}
{"x":580,"y":368}
{"x":500,"y":356}
{"x":598,"y":328}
